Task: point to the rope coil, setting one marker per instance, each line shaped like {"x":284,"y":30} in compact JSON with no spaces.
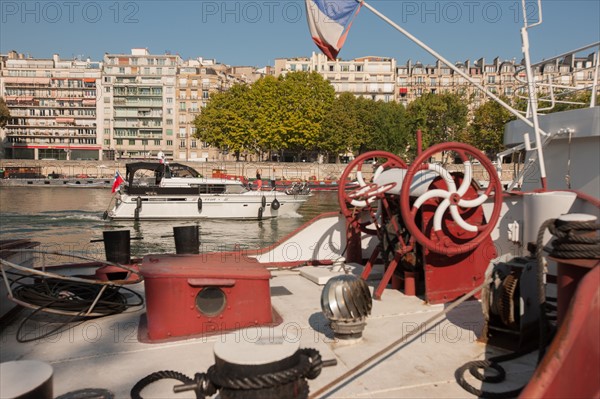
{"x":207,"y":384}
{"x":574,"y":240}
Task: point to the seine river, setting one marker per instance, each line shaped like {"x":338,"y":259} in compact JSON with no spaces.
{"x":67,"y":219}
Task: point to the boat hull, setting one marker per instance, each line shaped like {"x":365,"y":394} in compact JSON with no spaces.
{"x":229,"y":206}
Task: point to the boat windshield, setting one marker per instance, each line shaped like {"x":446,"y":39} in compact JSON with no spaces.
{"x":235,"y":189}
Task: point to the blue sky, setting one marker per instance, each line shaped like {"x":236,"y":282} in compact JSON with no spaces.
{"x":249,"y":32}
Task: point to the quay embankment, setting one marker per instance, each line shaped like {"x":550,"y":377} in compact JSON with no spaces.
{"x":98,"y":173}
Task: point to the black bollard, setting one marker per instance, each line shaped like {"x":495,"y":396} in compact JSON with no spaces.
{"x":117,"y":246}
{"x":187,"y":240}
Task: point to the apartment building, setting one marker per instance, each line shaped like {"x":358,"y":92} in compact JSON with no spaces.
{"x":52,"y":103}
{"x":197,"y":80}
{"x":137,"y":107}
{"x":381,"y":78}
{"x":133,"y":106}
{"x":370,"y":77}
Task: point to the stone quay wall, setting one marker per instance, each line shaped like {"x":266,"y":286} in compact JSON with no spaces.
{"x":268,"y":170}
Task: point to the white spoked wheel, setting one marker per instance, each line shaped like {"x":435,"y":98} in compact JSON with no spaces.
{"x":452,"y":198}
{"x":353,"y":199}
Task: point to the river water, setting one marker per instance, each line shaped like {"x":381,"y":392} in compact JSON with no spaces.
{"x":67,"y":219}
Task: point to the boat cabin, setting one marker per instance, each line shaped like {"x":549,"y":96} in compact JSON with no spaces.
{"x":152,"y":178}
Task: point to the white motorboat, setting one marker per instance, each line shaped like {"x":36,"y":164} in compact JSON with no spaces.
{"x":155,"y":191}
{"x":458,"y":269}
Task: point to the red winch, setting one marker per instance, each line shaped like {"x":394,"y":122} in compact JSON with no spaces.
{"x":203,"y":294}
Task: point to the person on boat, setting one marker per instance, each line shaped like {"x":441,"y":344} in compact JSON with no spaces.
{"x":258,"y":180}
{"x":273,"y":178}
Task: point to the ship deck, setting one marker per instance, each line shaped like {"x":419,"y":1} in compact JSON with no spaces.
{"x":113,"y":353}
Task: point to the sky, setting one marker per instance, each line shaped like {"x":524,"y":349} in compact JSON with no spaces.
{"x":254,"y":33}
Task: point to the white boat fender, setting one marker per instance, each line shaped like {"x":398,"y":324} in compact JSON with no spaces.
{"x":260,"y":212}
{"x":263,"y":201}
{"x":275,"y":204}
{"x":199,"y":204}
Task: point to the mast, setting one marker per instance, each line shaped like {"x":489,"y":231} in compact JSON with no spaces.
{"x":532,"y":96}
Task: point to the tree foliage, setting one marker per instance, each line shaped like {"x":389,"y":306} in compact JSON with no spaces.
{"x":4,"y":113}
{"x":440,"y":117}
{"x":486,"y":131}
{"x":300,"y":112}
{"x":270,"y":115}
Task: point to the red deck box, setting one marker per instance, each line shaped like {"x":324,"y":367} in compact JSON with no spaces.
{"x":200,"y":294}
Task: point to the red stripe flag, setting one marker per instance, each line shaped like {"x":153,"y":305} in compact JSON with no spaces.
{"x":117,"y":182}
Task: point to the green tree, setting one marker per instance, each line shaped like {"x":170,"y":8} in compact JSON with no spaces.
{"x":341,"y":127}
{"x":270,"y":115}
{"x":224,"y":122}
{"x":486,"y":131}
{"x":306,"y":99}
{"x":390,"y":131}
{"x":4,"y":113}
{"x":441,"y":117}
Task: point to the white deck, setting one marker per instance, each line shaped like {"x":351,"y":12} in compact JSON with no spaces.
{"x":106,"y":353}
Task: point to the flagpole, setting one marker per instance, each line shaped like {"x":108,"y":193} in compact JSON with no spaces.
{"x":449,"y":64}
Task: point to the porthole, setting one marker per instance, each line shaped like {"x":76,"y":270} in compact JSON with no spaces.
{"x":211,"y":301}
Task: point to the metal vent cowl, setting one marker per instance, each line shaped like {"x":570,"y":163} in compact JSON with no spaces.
{"x":346,"y":302}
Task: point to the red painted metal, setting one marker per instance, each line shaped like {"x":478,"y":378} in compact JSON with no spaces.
{"x":173,"y":282}
{"x":569,"y":273}
{"x":449,"y":277}
{"x":109,"y":272}
{"x":571,"y":366}
{"x":410,"y":283}
{"x":442,"y":243}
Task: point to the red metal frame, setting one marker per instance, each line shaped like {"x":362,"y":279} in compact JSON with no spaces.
{"x":571,"y":366}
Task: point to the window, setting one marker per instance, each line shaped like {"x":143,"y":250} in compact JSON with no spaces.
{"x":169,"y":143}
{"x":131,"y":142}
{"x":182,"y":106}
{"x":119,"y":141}
{"x":157,"y":142}
{"x":169,"y":122}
